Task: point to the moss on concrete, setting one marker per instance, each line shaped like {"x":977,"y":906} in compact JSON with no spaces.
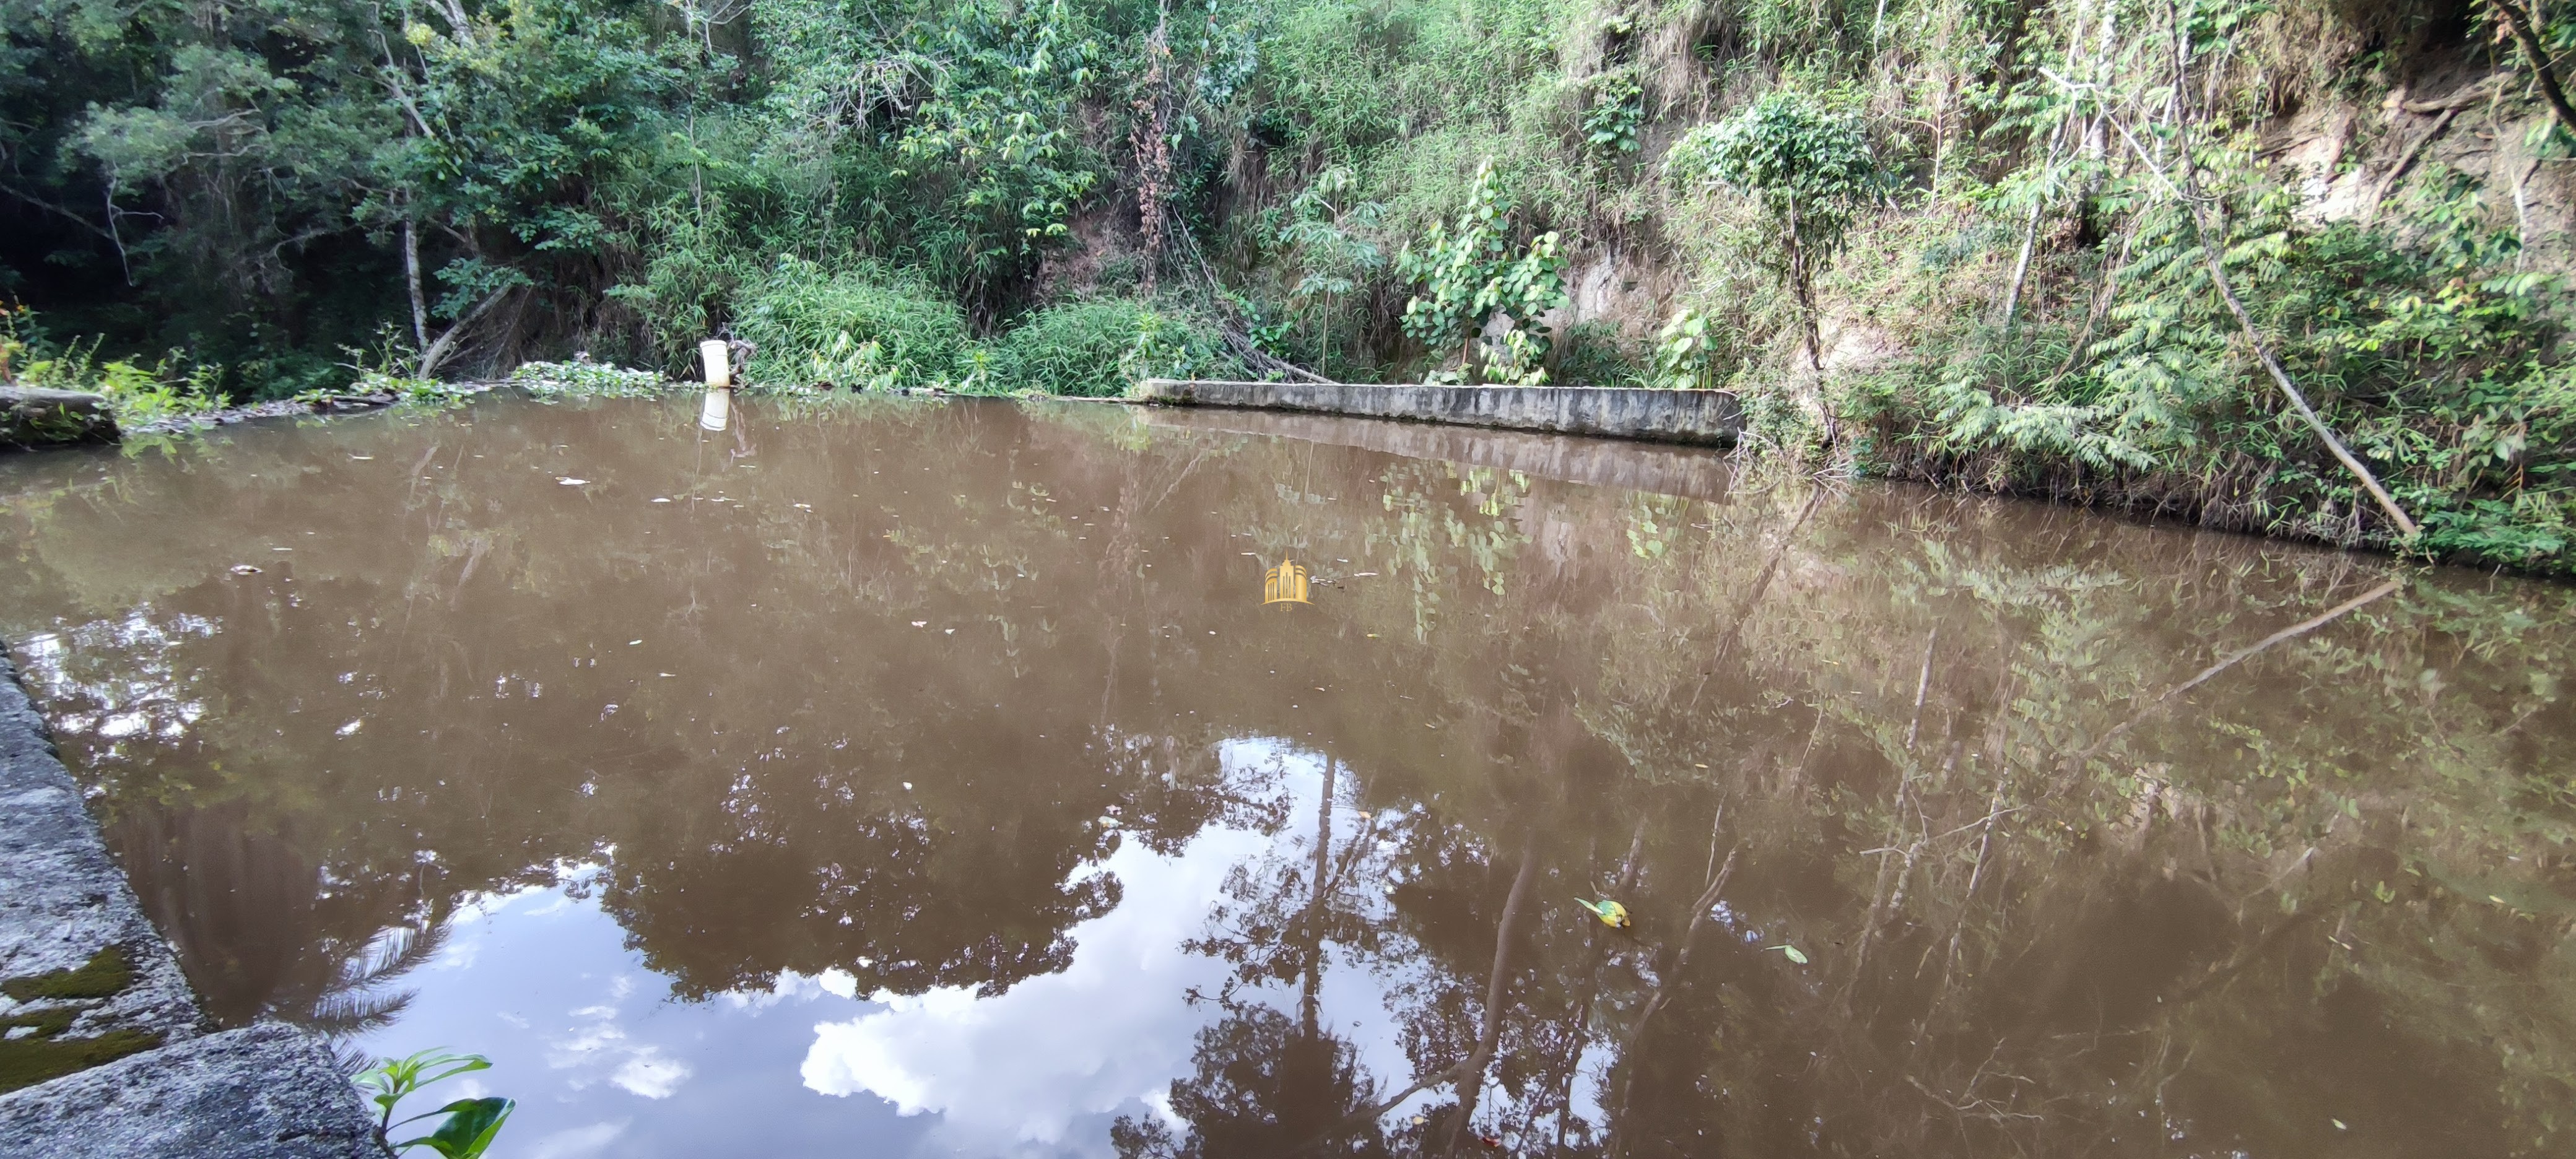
{"x":32,"y":1044}
{"x":105,"y":975}
{"x":24,"y":1062}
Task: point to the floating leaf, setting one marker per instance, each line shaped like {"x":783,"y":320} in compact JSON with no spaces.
{"x":1795,"y":955}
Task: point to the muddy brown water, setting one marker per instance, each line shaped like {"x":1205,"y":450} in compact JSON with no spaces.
{"x":903,"y":777}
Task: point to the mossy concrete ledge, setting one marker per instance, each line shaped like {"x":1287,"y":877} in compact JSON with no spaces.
{"x":34,"y":417}
{"x":1707,"y":417}
{"x":103,"y":1049}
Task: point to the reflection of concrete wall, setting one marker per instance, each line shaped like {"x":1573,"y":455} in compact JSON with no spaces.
{"x":1691,"y":473}
{"x":1673,"y":416}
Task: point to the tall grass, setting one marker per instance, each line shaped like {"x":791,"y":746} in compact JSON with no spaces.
{"x":1098,"y":347}
{"x":860,"y":327}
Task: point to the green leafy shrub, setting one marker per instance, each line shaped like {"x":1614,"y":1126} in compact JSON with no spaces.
{"x":1807,"y":165}
{"x":469,"y":1125}
{"x":166,"y":389}
{"x":1682,"y":351}
{"x":860,"y":327}
{"x":1591,"y":354}
{"x":1468,"y":274}
{"x":2422,"y":344}
{"x":1617,"y":108}
{"x":581,"y":376}
{"x":992,"y":157}
{"x":1098,"y":347}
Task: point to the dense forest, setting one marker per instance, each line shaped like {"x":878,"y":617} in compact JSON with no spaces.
{"x":2290,"y":266}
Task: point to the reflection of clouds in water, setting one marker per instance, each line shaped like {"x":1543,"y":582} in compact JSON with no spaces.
{"x":595,"y":1044}
{"x":579,"y":1142}
{"x":143,"y":699}
{"x":470,"y":926}
{"x":795,"y":987}
{"x":1115,"y":1028}
{"x":1359,"y":991}
{"x":603,"y":1065}
{"x":1021,"y":1066}
{"x":590,"y":1045}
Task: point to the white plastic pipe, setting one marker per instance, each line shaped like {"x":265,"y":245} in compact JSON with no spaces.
{"x":718,"y":358}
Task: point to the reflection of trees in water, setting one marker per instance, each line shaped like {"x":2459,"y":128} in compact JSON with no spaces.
{"x":2327,"y":884}
{"x":2188,"y":933}
{"x":261,"y":941}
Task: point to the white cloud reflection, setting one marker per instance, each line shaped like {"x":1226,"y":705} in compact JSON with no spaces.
{"x":1033,"y":1070}
{"x":579,"y":1142}
{"x":1020,"y":1067}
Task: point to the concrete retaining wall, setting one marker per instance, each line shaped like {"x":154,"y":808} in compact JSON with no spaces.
{"x":1673,"y":416}
{"x":1664,"y":470}
{"x":177,"y":1090}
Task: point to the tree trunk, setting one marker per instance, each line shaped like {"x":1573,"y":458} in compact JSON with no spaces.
{"x":411,"y":280}
{"x":1311,"y":935}
{"x":2519,"y":21}
{"x":439,"y":350}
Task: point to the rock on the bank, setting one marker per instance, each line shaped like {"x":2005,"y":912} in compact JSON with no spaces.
{"x":62,"y":898}
{"x":35,"y":417}
{"x":265,"y":1092}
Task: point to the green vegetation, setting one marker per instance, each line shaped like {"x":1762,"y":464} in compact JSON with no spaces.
{"x":2282,"y":266}
{"x":1807,"y":167}
{"x":1469,"y":275}
{"x":471,"y":1124}
{"x":1099,"y":347}
{"x":137,"y":392}
{"x":105,"y":975}
{"x":854,"y":327}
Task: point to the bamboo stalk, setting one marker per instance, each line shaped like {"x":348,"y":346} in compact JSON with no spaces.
{"x":2210,"y":253}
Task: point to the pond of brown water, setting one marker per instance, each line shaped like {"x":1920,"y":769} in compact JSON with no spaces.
{"x":896,"y":777}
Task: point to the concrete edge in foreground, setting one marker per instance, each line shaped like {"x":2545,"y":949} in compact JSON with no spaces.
{"x":265,"y":1092}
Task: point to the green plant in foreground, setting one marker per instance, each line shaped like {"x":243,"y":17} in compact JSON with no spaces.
{"x":471,"y":1124}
